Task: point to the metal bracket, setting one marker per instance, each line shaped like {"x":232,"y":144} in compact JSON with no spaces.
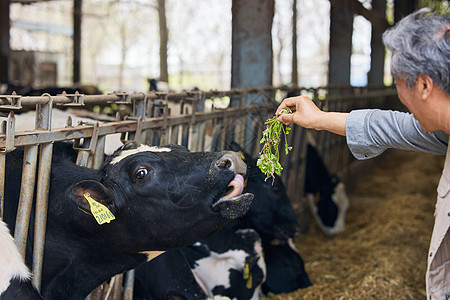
{"x":8,"y":128}
{"x":87,"y":149}
{"x":12,"y":101}
{"x":93,"y":140}
{"x":133,"y":137}
{"x":76,"y":99}
{"x":125,"y":98}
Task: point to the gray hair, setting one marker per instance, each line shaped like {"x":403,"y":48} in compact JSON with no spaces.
{"x":420,"y":45}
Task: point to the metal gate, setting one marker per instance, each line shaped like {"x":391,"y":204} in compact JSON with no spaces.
{"x":198,"y":120}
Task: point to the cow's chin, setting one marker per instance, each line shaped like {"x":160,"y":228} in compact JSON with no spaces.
{"x":232,"y":208}
{"x":234,"y":204}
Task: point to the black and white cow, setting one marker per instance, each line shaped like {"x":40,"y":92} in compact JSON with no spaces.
{"x":15,"y":282}
{"x":271,"y":216}
{"x":168,"y":276}
{"x":227,"y":265}
{"x":285,"y":269}
{"x":161,"y":197}
{"x":325,"y":193}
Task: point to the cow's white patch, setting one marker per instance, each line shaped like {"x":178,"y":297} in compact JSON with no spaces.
{"x":262,"y":265}
{"x":152,"y":254}
{"x":341,"y":200}
{"x":213,"y":270}
{"x":292,"y":245}
{"x":11,"y":262}
{"x":141,"y":148}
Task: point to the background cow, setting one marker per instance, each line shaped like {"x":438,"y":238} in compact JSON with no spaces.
{"x":228,"y":264}
{"x":273,"y":217}
{"x":168,"y":276}
{"x":161,"y":198}
{"x":325,"y":193}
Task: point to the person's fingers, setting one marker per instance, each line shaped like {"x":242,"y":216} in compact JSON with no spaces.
{"x":288,"y":102}
{"x":286,"y":119}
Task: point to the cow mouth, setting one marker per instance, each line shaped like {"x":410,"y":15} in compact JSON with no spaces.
{"x":234,"y":204}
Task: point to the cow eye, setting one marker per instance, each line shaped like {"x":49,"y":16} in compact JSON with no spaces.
{"x":141,"y":173}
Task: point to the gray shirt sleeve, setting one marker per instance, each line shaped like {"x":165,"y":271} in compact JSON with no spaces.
{"x":369,"y":132}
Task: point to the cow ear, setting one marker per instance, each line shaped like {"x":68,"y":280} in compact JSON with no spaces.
{"x":97,"y":191}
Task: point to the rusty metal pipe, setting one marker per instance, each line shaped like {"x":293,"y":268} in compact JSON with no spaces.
{"x":43,"y":183}
{"x":129,"y":285}
{"x":26,"y":197}
{"x":2,"y":182}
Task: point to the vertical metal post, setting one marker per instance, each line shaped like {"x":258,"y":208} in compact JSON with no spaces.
{"x":26,"y":197}
{"x":2,"y":182}
{"x":174,"y":134}
{"x":8,"y":128}
{"x":43,"y":183}
{"x":201,"y":135}
{"x":43,"y":121}
{"x":139,"y":112}
{"x":129,"y":285}
{"x":89,"y":146}
{"x":99,"y":153}
{"x":2,"y":172}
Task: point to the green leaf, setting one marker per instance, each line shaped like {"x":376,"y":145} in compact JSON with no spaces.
{"x":269,"y":157}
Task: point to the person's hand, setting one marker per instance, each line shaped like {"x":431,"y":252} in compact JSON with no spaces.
{"x":304,"y":111}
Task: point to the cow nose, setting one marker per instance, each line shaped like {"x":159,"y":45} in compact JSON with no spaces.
{"x":233,"y":162}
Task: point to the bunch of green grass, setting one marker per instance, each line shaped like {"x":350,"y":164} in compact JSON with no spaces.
{"x":269,"y":157}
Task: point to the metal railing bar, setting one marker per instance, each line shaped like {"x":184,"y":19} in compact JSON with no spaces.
{"x":26,"y":197}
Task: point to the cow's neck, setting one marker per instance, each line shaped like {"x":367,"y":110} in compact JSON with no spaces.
{"x":75,"y":275}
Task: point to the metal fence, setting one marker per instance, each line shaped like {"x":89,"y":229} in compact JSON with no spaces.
{"x":198,"y":120}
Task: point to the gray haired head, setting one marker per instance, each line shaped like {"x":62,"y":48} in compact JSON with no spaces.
{"x":420,"y":45}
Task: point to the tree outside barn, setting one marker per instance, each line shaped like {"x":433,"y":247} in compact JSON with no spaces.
{"x":198,"y":40}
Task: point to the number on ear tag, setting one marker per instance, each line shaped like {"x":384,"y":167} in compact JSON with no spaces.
{"x":100,"y":212}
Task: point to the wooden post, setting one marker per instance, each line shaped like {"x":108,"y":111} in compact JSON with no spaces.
{"x":376,"y":73}
{"x":252,"y":43}
{"x":4,"y":40}
{"x":77,"y":40}
{"x":341,"y":29}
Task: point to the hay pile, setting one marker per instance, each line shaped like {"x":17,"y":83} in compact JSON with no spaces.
{"x":383,"y":252}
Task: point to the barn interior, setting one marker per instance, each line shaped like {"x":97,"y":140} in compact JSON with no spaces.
{"x":381,"y":253}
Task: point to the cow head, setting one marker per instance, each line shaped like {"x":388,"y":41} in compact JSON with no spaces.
{"x":285,"y":269}
{"x":171,"y":196}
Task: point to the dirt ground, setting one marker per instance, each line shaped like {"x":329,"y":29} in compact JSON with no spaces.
{"x":383,"y":252}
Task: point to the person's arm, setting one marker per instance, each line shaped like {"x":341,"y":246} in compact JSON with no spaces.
{"x":369,"y":132}
{"x":306,"y":114}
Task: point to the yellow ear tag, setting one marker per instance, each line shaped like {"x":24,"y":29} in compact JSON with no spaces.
{"x":248,"y":284}
{"x":242,"y":155}
{"x":100,"y":212}
{"x":246,"y":271}
{"x":248,"y":276}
